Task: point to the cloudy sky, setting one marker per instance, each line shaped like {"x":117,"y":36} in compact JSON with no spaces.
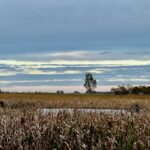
{"x":51,"y":44}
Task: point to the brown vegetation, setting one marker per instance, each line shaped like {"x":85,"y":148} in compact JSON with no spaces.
{"x":23,"y":127}
{"x":30,"y":130}
{"x":75,"y":101}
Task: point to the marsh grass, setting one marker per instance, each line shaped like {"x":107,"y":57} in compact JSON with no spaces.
{"x":23,"y":127}
{"x":29,"y":101}
{"x":85,"y":131}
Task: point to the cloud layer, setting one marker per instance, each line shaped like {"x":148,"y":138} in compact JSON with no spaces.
{"x":68,"y":69}
{"x":37,"y":25}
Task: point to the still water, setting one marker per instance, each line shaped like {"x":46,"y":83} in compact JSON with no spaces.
{"x":55,"y":111}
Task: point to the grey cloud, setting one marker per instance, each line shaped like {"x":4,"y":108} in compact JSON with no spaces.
{"x":139,"y":53}
{"x":112,"y":54}
{"x":105,"y":52}
{"x":41,"y":25}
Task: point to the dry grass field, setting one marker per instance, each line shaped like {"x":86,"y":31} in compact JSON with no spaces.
{"x":76,"y":101}
{"x":22,"y":127}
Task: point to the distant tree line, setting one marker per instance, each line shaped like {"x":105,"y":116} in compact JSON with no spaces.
{"x":128,"y":89}
{"x":27,"y":92}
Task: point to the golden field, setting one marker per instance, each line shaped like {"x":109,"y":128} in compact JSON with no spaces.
{"x":76,"y":101}
{"x":22,"y":127}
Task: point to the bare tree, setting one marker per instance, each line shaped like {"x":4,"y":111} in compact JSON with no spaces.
{"x":90,"y":83}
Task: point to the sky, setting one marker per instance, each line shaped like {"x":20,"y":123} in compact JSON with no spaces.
{"x":47,"y":45}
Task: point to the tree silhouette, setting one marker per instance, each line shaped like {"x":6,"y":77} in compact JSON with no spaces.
{"x":90,"y":83}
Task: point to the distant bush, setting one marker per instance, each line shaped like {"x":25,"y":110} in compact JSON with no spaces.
{"x":128,"y":89}
{"x":60,"y":92}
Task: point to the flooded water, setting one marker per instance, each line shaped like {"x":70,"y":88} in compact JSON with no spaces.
{"x":55,"y":111}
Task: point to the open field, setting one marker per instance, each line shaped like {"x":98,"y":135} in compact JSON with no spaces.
{"x":23,"y":127}
{"x":76,"y":101}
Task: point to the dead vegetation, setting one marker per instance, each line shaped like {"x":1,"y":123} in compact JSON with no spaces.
{"x":31,"y":130}
{"x":30,"y":101}
{"x":23,"y":127}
